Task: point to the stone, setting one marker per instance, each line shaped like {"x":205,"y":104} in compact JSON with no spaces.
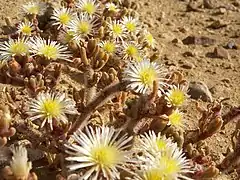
{"x":199,"y":90}
{"x":217,"y":24}
{"x":220,"y":52}
{"x":209,"y":4}
{"x":202,"y":40}
{"x":231,"y":45}
{"x":189,"y":54}
{"x":187,"y":65}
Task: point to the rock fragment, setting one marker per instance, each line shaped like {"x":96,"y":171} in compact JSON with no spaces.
{"x":199,"y":90}
{"x":220,"y":52}
{"x":217,"y":24}
{"x":202,"y":40}
{"x":209,"y":4}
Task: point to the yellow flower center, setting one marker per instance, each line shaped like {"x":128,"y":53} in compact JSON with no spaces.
{"x":161,"y":144}
{"x":131,"y":26}
{"x":84,"y":27}
{"x":117,"y":30}
{"x":19,"y":48}
{"x":171,"y":166}
{"x":177,"y":97}
{"x":89,"y":8}
{"x":154,"y":174}
{"x":132,"y":51}
{"x":51,"y":108}
{"x":105,"y":156}
{"x":109,"y":47}
{"x":26,"y":30}
{"x":147,"y":76}
{"x":149,"y":38}
{"x":176,"y":118}
{"x":33,"y":10}
{"x":112,"y":8}
{"x":64,"y":18}
{"x":49,"y":51}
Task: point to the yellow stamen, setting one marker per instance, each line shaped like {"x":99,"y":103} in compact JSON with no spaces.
{"x":109,"y":47}
{"x":89,"y":8}
{"x":177,"y":97}
{"x":51,"y":108}
{"x":18,"y":48}
{"x":84,"y":27}
{"x":131,"y":27}
{"x":176,"y":118}
{"x":64,"y":18}
{"x":26,"y":30}
{"x":117,"y":29}
{"x":154,"y":174}
{"x":147,"y":76}
{"x":132,"y":51}
{"x":105,"y":156}
{"x":49,"y":52}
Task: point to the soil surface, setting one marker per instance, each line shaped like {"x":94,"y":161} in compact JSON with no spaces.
{"x":171,"y":21}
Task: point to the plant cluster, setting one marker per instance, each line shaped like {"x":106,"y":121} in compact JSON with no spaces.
{"x":126,"y":119}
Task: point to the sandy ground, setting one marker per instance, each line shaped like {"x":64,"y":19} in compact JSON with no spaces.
{"x":170,"y":24}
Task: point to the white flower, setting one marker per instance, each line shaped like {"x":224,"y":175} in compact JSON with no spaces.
{"x":19,"y":164}
{"x":100,"y":152}
{"x":25,"y":28}
{"x":176,"y":119}
{"x":161,"y":159}
{"x":17,"y":47}
{"x":141,"y":76}
{"x":51,"y":50}
{"x":176,"y":96}
{"x":131,"y":51}
{"x":131,"y":24}
{"x":148,"y":39}
{"x":117,"y":30}
{"x":111,"y":7}
{"x":88,"y":6}
{"x":51,"y":108}
{"x":81,"y":27}
{"x":35,"y":8}
{"x":109,"y":47}
{"x":61,"y":16}
{"x":152,"y":143}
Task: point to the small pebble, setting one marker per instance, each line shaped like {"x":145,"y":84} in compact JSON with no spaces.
{"x":187,"y":65}
{"x":220,"y":52}
{"x":199,"y":90}
{"x":202,"y":40}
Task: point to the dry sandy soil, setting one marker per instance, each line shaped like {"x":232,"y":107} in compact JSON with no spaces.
{"x":170,"y":23}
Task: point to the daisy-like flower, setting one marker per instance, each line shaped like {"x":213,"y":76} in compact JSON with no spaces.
{"x":141,"y":76}
{"x":149,"y":39}
{"x":111,"y":7}
{"x":176,"y":96}
{"x":152,"y":143}
{"x":161,"y":159}
{"x":131,"y":24}
{"x":81,"y":27}
{"x":61,"y":16}
{"x":109,"y":47}
{"x":51,"y":108}
{"x":100,"y":153}
{"x":20,"y":165}
{"x":88,"y":6}
{"x":176,"y":119}
{"x":25,"y":28}
{"x":51,"y":50}
{"x":18,"y":47}
{"x":35,"y":8}
{"x":117,"y":30}
{"x":131,"y":51}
